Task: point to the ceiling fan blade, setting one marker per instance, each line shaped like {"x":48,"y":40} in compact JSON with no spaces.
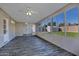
{"x":34,"y":12}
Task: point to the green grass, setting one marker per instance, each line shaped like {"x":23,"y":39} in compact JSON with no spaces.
{"x":69,"y":34}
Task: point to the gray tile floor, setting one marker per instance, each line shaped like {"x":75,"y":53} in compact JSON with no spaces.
{"x":31,"y":46}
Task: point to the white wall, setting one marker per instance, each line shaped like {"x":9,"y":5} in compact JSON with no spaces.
{"x":1,"y":31}
{"x":34,"y":28}
{"x":22,"y":28}
{"x":11,"y":28}
{"x":29,"y":29}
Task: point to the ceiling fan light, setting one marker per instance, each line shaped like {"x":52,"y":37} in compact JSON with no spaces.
{"x":30,"y":13}
{"x":27,"y":13}
{"x":26,"y":23}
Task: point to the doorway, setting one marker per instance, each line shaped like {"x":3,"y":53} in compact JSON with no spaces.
{"x":6,"y":29}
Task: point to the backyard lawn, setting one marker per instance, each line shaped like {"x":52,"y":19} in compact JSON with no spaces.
{"x":69,"y":34}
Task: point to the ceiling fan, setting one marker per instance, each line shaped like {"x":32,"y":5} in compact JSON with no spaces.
{"x":29,"y":11}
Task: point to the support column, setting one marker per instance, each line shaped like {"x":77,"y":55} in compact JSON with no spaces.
{"x":65,"y":23}
{"x":51,"y":24}
{"x":78,"y":18}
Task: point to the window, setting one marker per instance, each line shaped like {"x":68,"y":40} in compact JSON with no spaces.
{"x":72,"y":22}
{"x":58,"y":22}
{"x":4,"y":26}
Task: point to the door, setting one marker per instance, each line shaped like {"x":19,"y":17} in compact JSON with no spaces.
{"x":6,"y":30}
{"x":29,"y":29}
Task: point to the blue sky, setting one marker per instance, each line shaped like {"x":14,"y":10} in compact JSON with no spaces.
{"x":71,"y":16}
{"x":59,"y":18}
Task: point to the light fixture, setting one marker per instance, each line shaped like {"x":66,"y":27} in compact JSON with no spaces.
{"x":26,"y":23}
{"x":12,"y":22}
{"x":28,"y":12}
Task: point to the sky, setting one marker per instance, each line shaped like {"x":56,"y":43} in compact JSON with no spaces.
{"x":59,"y":18}
{"x":71,"y":16}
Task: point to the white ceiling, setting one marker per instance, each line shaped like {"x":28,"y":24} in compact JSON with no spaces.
{"x":17,"y":10}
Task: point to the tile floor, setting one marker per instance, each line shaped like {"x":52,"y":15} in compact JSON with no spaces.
{"x":31,"y":46}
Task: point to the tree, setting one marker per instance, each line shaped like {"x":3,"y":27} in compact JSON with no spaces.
{"x":49,"y":24}
{"x":69,"y":24}
{"x":53,"y":23}
{"x":61,"y":24}
{"x":44,"y":27}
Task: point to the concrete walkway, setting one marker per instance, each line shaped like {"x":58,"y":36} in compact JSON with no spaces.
{"x":31,"y":46}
